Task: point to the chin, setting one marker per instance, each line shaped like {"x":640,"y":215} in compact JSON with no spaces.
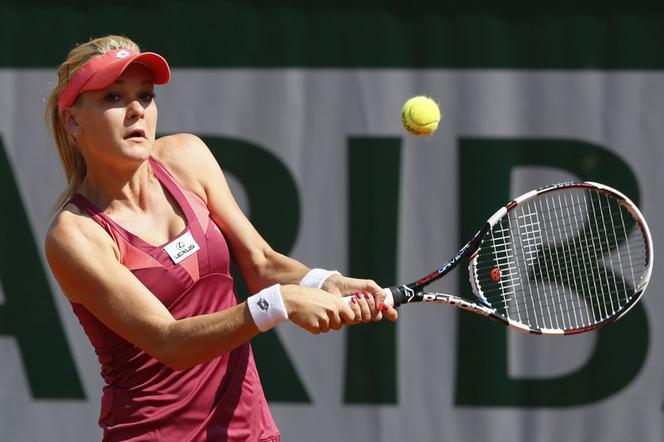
{"x":139,"y":151}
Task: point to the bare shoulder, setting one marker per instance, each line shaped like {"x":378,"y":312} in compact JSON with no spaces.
{"x":72,"y":230}
{"x":69,"y":224}
{"x":74,"y":238}
{"x":188,"y":158}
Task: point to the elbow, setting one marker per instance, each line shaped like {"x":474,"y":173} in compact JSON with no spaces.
{"x":166,"y":350}
{"x":162,"y":353}
{"x":256,"y":268}
{"x":261,"y":259}
{"x":171,"y":360}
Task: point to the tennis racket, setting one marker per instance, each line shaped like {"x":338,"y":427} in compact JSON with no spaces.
{"x":563,"y":259}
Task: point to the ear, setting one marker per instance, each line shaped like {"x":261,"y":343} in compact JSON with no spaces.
{"x":70,"y":123}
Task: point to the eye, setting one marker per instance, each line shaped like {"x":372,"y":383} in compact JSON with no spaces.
{"x":147,"y":97}
{"x":112,"y":97}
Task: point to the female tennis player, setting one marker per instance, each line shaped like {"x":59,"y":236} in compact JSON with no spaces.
{"x":141,"y":248}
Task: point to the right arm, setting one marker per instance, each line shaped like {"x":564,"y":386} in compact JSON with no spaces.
{"x":84,"y":261}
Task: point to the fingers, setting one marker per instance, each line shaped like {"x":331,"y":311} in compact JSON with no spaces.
{"x":365,"y":309}
{"x":368,"y":306}
{"x":333,"y":320}
{"x":374,"y":313}
{"x":318,"y":311}
{"x":372,"y":287}
{"x":323,"y":325}
{"x":382,"y":309}
{"x":377,"y":292}
{"x":335,"y":317}
{"x":389,"y":312}
{"x":357,"y":312}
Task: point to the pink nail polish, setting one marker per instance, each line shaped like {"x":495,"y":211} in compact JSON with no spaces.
{"x":353,"y":300}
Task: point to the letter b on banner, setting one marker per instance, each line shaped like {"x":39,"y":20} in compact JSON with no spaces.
{"x":482,"y":372}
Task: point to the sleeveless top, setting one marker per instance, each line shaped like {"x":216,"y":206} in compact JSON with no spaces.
{"x":144,"y":400}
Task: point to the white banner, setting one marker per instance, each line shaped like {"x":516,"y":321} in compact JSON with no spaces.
{"x":305,"y":118}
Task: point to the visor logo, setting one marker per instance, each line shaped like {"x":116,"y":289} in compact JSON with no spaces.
{"x":122,"y":54}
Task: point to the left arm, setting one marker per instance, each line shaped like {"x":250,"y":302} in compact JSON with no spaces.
{"x":190,"y":159}
{"x":260,"y":265}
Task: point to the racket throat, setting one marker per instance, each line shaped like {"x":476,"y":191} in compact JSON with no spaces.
{"x":406,"y":295}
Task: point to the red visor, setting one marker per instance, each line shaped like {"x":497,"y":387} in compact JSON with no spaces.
{"x":102,"y":70}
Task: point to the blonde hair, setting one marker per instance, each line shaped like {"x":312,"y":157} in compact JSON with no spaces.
{"x":70,"y":157}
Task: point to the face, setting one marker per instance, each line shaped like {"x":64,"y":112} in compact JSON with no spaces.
{"x":119,"y":122}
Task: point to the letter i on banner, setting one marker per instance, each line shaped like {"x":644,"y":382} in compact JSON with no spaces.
{"x":249,"y":163}
{"x":371,"y":354}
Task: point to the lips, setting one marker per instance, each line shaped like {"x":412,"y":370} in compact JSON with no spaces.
{"x":137,"y":133}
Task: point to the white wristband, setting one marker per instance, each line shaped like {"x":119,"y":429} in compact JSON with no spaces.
{"x":267,"y":308}
{"x":316,"y":277}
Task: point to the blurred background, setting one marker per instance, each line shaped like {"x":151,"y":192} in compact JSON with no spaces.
{"x":300,"y":103}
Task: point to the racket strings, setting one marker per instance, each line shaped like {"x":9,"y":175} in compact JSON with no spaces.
{"x":588,"y":267}
{"x":514,"y":303}
{"x":566,"y":260}
{"x":582,"y":253}
{"x":570,"y":311}
{"x":542,"y":260}
{"x":591,"y":239}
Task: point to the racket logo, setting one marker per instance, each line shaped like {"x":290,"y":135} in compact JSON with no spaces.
{"x":455,"y":302}
{"x":410,"y":293}
{"x":494,"y":274}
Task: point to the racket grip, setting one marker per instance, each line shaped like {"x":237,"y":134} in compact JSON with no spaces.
{"x":389,"y":298}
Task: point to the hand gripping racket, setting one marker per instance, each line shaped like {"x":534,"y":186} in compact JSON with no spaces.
{"x":566,"y":258}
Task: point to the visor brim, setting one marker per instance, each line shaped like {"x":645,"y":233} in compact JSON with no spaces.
{"x":107,"y":75}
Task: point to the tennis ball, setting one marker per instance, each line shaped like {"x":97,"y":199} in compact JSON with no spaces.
{"x":420,"y":116}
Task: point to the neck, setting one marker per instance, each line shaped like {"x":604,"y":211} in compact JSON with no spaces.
{"x":110,"y":187}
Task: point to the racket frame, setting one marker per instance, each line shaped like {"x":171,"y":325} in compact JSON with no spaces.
{"x":414,"y":292}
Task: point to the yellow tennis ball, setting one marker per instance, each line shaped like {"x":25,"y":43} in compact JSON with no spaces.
{"x":420,"y":116}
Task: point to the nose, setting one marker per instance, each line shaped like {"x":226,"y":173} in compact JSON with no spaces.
{"x":135,"y":109}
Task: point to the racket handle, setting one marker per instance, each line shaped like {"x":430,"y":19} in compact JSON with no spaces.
{"x":389,"y":298}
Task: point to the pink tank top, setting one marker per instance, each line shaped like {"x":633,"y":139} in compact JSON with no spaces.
{"x":143,"y":400}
